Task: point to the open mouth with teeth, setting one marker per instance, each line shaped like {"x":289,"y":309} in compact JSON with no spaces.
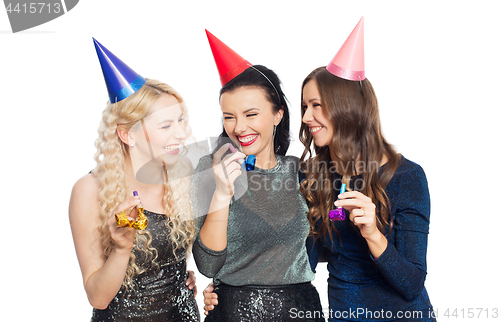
{"x":315,"y":129}
{"x":172,"y":149}
{"x":247,"y":139}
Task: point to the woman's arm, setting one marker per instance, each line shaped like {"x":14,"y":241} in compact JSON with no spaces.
{"x":213,"y":187}
{"x":403,"y":264}
{"x":213,"y":233}
{"x":314,"y":251}
{"x":102,"y":279}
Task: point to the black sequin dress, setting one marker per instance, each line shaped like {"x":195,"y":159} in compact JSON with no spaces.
{"x":160,"y":294}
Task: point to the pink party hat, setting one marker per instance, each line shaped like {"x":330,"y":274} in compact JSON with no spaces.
{"x":349,"y":62}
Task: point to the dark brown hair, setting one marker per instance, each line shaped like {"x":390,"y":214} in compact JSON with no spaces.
{"x":267,"y":80}
{"x":352,"y":108}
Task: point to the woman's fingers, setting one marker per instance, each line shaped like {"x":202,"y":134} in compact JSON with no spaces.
{"x":233,"y":171}
{"x":127,"y":204}
{"x":362,"y":211}
{"x":354,"y":194}
{"x":123,"y":236}
{"x":210,"y":301}
{"x":350,"y":203}
{"x":361,"y":220}
{"x":234,"y":157}
{"x":209,"y":298}
{"x":208,"y":308}
{"x":191,"y":282}
{"x":354,"y":199}
{"x":358,"y":212}
{"x":356,"y":216}
{"x":227,"y":170}
{"x":208,"y":292}
{"x":218,"y":155}
{"x":230,"y":157}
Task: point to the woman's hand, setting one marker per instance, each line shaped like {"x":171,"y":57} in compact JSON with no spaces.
{"x":123,"y":237}
{"x":226,"y":171}
{"x":191,"y":282}
{"x":363,"y":215}
{"x":362,"y":211}
{"x":210,"y":298}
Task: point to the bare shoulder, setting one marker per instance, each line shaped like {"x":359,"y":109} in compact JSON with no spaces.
{"x":85,"y":196}
{"x":86,"y":184}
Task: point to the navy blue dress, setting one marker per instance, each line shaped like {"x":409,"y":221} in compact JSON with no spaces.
{"x":391,"y":287}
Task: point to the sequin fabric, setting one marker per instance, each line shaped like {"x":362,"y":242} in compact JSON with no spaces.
{"x":160,"y":294}
{"x":296,"y":302}
{"x":267,"y":227}
{"x":390,"y":287}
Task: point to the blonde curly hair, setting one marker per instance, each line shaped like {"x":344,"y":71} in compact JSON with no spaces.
{"x":110,"y":172}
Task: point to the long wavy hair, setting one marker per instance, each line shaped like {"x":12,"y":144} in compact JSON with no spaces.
{"x":358,"y":146}
{"x":110,"y":172}
{"x":267,"y":80}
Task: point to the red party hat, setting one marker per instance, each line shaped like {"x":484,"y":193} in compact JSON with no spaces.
{"x":228,"y":62}
{"x":349,"y":62}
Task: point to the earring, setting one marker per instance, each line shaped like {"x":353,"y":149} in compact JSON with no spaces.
{"x":272,"y":150}
{"x":132,"y":144}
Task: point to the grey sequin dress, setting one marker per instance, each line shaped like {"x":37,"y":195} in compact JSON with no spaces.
{"x":160,"y":293}
{"x":264,"y":273}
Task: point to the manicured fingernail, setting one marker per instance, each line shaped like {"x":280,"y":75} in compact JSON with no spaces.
{"x":231,"y":147}
{"x":336,"y":203}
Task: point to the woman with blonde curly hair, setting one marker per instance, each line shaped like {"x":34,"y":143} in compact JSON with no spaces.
{"x":131,"y":274}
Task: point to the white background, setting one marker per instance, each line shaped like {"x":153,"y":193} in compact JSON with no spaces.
{"x":434,"y":66}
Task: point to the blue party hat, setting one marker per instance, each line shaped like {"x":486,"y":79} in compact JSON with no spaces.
{"x":120,"y":79}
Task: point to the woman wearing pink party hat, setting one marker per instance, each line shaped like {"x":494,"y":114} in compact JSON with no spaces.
{"x":376,"y":255}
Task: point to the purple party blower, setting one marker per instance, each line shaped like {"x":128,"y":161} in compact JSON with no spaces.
{"x":338,"y":214}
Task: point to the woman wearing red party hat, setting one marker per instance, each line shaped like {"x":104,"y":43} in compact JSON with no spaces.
{"x":377,"y":255}
{"x":131,"y":237}
{"x":253,"y":224}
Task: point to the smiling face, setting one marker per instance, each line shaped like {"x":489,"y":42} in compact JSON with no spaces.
{"x":321,"y":128}
{"x":164,"y":127}
{"x":249,"y":120}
